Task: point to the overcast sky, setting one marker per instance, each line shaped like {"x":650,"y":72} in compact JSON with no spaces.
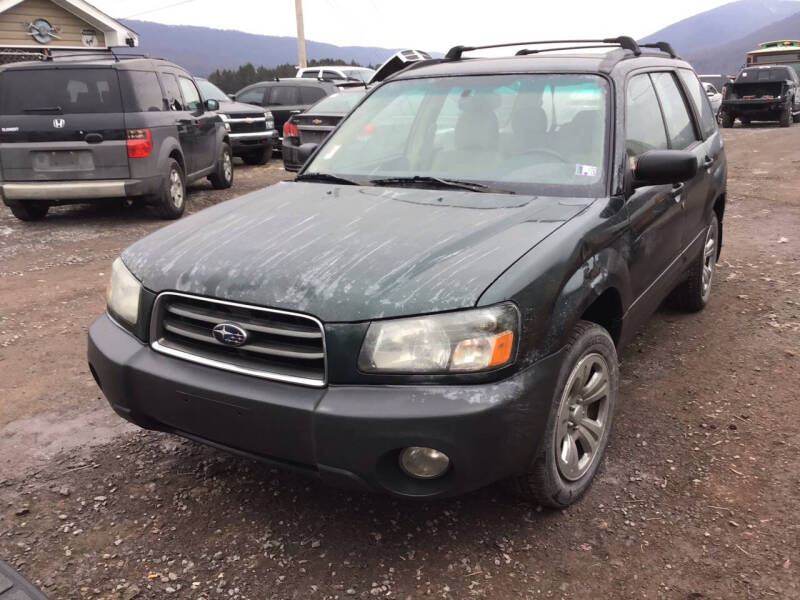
{"x":423,"y":24}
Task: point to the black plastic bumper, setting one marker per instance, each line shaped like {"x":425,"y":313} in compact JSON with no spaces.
{"x":289,"y":154}
{"x":347,"y":435}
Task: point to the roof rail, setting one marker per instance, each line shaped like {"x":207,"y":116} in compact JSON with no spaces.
{"x":663,"y":46}
{"x":95,"y":54}
{"x":623,"y":41}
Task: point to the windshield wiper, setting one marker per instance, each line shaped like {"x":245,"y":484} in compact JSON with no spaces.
{"x":326,"y":177}
{"x":43,"y":109}
{"x":439,"y":182}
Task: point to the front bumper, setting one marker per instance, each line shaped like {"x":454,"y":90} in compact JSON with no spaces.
{"x":67,"y":191}
{"x":242,"y":143}
{"x":346,"y":435}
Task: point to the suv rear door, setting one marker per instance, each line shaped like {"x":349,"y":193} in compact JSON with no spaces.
{"x":62,"y":122}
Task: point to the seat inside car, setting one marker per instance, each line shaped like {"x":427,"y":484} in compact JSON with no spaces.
{"x":475,"y":140}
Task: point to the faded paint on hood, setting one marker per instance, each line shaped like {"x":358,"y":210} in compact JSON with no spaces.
{"x":348,"y":253}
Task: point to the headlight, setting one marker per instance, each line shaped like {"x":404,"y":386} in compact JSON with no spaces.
{"x":269,"y":123}
{"x":122,"y":295}
{"x":457,"y":342}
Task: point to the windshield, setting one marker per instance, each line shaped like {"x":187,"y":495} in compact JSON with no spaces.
{"x":340,"y":103}
{"x":540,"y":134}
{"x":210,"y":91}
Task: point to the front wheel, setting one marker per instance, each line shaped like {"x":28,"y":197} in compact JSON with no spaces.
{"x":692,"y":295}
{"x":222,"y":177}
{"x":726,"y":119}
{"x":259,"y":157}
{"x":579,"y":425}
{"x":29,"y":211}
{"x":786,"y":116}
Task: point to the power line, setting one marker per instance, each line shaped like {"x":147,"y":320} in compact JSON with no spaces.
{"x":152,"y":10}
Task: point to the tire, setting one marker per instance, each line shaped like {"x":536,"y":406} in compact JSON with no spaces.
{"x":726,"y":120}
{"x":261,"y":157}
{"x":222,"y":178}
{"x":29,"y":211}
{"x":693,"y":294}
{"x":552,"y":480}
{"x":171,"y":201}
{"x":786,"y":116}
{"x":745,"y":122}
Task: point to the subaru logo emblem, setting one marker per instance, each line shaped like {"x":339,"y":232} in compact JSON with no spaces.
{"x":59,"y":123}
{"x":229,"y":334}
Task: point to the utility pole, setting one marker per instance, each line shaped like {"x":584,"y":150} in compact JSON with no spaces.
{"x":301,"y":36}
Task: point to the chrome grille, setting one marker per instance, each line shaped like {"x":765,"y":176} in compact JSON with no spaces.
{"x":278,"y":345}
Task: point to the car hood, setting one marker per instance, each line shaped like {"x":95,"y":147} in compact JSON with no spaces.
{"x":348,"y":253}
{"x":239,"y":108}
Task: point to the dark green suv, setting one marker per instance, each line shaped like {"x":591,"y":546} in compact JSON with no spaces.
{"x":437,"y":300}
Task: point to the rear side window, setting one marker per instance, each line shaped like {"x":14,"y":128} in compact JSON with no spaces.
{"x":173,"y":92}
{"x":708,"y":123}
{"x":310,"y":94}
{"x":676,"y":114}
{"x":643,"y":122}
{"x":59,"y":91}
{"x":141,"y":91}
{"x":252,"y":96}
{"x":190,"y":94}
{"x":284,"y":95}
{"x":312,"y":74}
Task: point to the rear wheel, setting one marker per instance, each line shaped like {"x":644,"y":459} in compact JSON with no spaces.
{"x":580,"y":422}
{"x":786,"y":115}
{"x":171,"y":201}
{"x":259,"y":157}
{"x":29,"y":211}
{"x":692,"y":295}
{"x":222,"y":178}
{"x":726,"y":119}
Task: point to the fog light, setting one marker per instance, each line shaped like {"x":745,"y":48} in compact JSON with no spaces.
{"x":423,"y":463}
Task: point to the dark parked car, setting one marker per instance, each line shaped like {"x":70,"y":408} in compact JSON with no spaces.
{"x":252,"y":131}
{"x":437,"y":300}
{"x":768,"y":93}
{"x":314,"y":125}
{"x":285,"y":97}
{"x":80,"y":130}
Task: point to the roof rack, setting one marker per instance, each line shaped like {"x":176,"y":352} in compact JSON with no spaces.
{"x":95,"y":54}
{"x":623,"y":41}
{"x":663,"y":46}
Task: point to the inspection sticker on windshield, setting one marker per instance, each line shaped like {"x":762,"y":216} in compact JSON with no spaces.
{"x":586,"y":170}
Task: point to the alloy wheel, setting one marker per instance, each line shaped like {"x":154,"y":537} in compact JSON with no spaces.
{"x":582,"y":416}
{"x":709,"y":259}
{"x":175,"y":188}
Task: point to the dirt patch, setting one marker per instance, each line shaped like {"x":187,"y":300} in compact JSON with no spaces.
{"x":697,"y":498}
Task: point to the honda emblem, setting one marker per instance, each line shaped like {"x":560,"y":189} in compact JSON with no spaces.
{"x":59,"y":123}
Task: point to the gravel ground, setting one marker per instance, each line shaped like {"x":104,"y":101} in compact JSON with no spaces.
{"x":697,"y":498}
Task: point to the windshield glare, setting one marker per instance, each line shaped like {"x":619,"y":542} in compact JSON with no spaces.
{"x":211,"y":92}
{"x":533,"y":133}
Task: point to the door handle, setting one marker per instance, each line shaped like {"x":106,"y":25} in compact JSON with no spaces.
{"x":676,"y":191}
{"x":707,"y":162}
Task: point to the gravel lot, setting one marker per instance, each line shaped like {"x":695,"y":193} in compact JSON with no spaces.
{"x":698,"y":497}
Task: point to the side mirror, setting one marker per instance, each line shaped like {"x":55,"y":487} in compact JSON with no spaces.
{"x":661,"y":167}
{"x":212,"y":104}
{"x":304,"y":152}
